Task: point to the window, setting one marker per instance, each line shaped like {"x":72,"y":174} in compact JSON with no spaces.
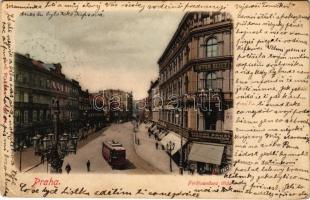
{"x":35,"y":98}
{"x":34,"y":116}
{"x":186,"y":54}
{"x":53,"y":85}
{"x":17,"y":116}
{"x":41,"y":115}
{"x":211,"y":81}
{"x":26,"y":97}
{"x":17,"y":96}
{"x":186,"y":84}
{"x":48,"y":115}
{"x":25,"y":78}
{"x":48,"y":84}
{"x":19,"y":77}
{"x":26,"y":117}
{"x":212,"y":47}
{"x":42,"y":83}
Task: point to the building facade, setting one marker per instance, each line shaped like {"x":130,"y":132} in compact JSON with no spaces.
{"x":154,"y":101}
{"x":196,"y":84}
{"x":119,"y":105}
{"x":45,"y":101}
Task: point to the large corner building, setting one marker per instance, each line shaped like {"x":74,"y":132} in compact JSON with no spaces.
{"x":196,"y":84}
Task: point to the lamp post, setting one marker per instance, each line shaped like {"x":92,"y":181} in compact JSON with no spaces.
{"x":20,"y":147}
{"x":170,"y":147}
{"x":53,"y":147}
{"x":71,"y":124}
{"x":84,"y":124}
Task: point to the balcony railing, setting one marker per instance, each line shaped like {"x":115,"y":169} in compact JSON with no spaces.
{"x":200,"y":135}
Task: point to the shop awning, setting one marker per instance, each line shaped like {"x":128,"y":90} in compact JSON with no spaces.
{"x":161,"y":135}
{"x":156,"y":131}
{"x":169,"y":107}
{"x":148,"y":124}
{"x":207,"y":153}
{"x":175,"y":138}
{"x":153,"y":128}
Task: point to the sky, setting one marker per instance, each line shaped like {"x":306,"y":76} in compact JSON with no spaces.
{"x":118,"y":51}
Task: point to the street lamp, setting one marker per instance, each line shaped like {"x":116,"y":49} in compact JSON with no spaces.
{"x":55,"y":148}
{"x":50,"y":136}
{"x":170,"y":147}
{"x":35,"y":140}
{"x":20,"y":147}
{"x":70,"y":124}
{"x":74,"y":140}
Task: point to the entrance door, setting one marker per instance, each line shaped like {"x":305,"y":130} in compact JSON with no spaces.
{"x":210,"y":118}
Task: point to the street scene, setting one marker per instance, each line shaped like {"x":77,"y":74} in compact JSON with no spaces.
{"x":141,"y":99}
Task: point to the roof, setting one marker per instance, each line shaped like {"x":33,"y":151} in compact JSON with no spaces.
{"x":179,"y":29}
{"x":49,"y":66}
{"x":114,"y":145}
{"x":174,"y":36}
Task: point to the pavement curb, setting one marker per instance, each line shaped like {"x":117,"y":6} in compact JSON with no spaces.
{"x":30,"y":168}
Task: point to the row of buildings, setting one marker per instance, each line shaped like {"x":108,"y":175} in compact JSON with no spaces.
{"x":193,"y":96}
{"x":44,"y":96}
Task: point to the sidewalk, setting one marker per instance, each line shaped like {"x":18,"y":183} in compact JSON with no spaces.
{"x":29,"y":160}
{"x":148,"y":152}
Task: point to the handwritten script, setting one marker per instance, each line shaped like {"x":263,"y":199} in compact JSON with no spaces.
{"x":272,"y":91}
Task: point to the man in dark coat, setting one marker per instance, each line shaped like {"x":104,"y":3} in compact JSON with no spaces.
{"x":88,"y":165}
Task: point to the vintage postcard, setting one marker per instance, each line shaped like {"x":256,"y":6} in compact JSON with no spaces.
{"x":155,"y":99}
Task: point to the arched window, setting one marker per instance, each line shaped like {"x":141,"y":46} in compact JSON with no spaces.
{"x":212,"y":47}
{"x":211,"y":81}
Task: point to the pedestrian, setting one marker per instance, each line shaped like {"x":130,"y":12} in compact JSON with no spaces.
{"x":156,"y":144}
{"x":68,"y":168}
{"x":192,"y":171}
{"x":88,"y":165}
{"x":42,"y":158}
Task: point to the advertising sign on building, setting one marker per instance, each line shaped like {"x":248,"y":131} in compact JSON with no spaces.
{"x":228,"y":119}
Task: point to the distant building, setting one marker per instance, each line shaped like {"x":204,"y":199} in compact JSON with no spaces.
{"x":154,"y":101}
{"x":96,"y":115}
{"x":118,"y":104}
{"x":141,"y":109}
{"x":196,"y":84}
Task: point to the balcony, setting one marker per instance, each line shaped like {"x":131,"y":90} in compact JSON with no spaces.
{"x":212,"y":136}
{"x":197,"y":98}
{"x":30,"y":105}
